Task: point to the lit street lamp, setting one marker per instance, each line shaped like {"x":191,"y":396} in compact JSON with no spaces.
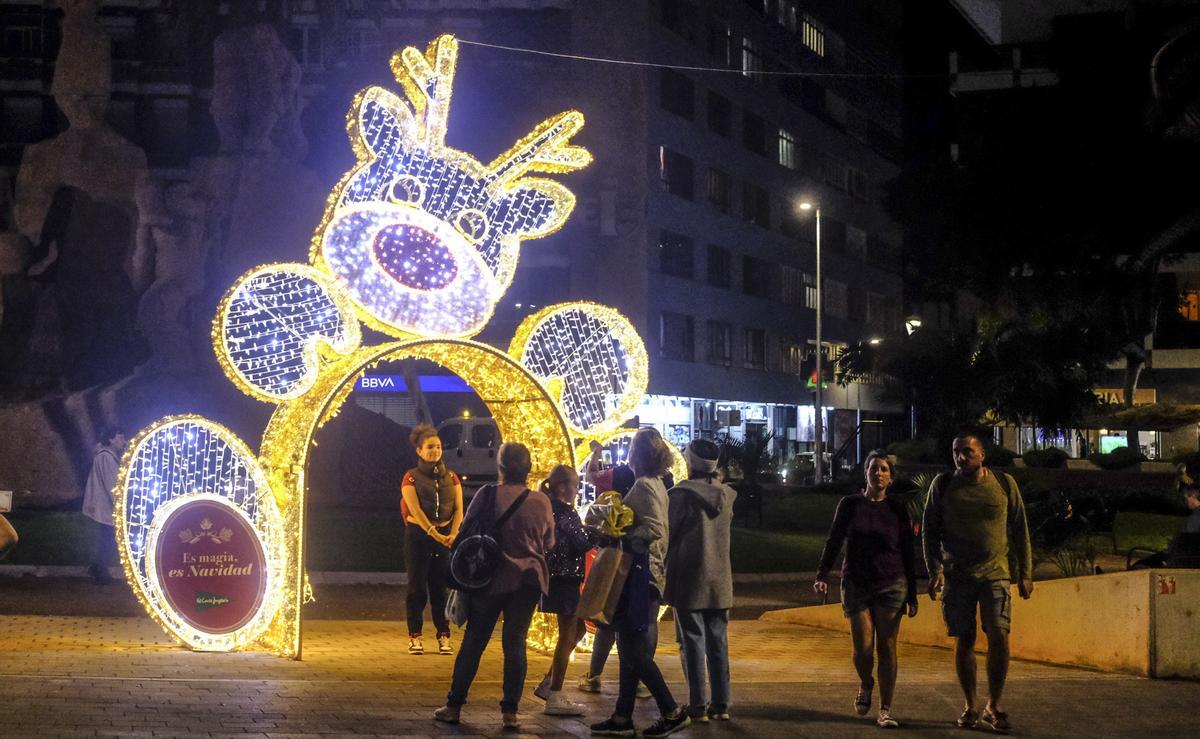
{"x":818,"y":421}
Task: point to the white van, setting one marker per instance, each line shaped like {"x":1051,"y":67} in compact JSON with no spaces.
{"x":469,"y":448}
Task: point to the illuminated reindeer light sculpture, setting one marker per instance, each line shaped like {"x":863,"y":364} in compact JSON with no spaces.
{"x":425,"y":236}
{"x":419,"y":241}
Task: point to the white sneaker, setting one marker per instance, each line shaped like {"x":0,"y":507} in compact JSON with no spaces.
{"x":444,"y":645}
{"x":415,"y":646}
{"x":559,"y":705}
{"x":589,"y":684}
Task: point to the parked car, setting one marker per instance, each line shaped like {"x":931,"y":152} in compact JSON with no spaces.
{"x":470,"y":446}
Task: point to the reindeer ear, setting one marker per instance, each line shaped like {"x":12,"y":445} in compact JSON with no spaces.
{"x":539,"y":207}
{"x":383,"y":123}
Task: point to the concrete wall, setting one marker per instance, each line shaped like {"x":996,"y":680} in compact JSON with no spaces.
{"x":1141,"y":622}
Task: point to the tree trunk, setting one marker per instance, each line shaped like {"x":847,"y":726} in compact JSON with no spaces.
{"x":1135,"y":362}
{"x":409,"y":369}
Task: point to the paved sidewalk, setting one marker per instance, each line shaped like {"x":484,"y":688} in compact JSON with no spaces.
{"x":91,"y":676}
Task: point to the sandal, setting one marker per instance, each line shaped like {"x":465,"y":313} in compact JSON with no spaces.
{"x":997,"y":721}
{"x":968,"y":719}
{"x":862,"y":703}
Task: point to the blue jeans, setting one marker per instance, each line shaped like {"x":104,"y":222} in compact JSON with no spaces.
{"x":703,"y":636}
{"x":483,"y":611}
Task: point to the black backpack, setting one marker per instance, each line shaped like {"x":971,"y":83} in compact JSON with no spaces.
{"x":476,"y":552}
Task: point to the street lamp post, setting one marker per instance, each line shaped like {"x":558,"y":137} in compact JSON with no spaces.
{"x":818,"y":419}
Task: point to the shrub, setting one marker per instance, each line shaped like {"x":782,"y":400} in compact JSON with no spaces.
{"x":920,"y":450}
{"x":998,"y":456}
{"x":1118,"y":459}
{"x":1050,"y":457}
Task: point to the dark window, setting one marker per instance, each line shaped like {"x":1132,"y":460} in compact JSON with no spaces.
{"x":720,"y":42}
{"x":754,"y":133}
{"x":450,"y":435}
{"x":719,"y":189}
{"x":859,"y":184}
{"x":675,"y":169}
{"x":483,"y":436}
{"x":791,"y":283}
{"x":22,"y":36}
{"x":833,"y":170}
{"x":756,"y":205}
{"x":756,"y":348}
{"x":679,"y":16}
{"x":676,"y":337}
{"x":756,"y":277}
{"x":720,"y":343}
{"x":720,"y":115}
{"x":678,"y":94}
{"x":833,"y":235}
{"x":675,"y":254}
{"x":720,"y":267}
{"x":812,"y":96}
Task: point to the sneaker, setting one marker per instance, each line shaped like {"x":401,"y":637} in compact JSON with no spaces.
{"x":447,"y":714}
{"x":697,"y":714}
{"x":862,"y":702}
{"x":997,"y":721}
{"x":415,"y":646}
{"x":558,"y":704}
{"x":885,"y":721}
{"x":718,"y":712}
{"x":589,"y":684}
{"x":543,"y":689}
{"x":666,"y":725}
{"x":613,"y":727}
{"x":643,"y":691}
{"x":510,"y":721}
{"x":444,"y":645}
{"x":968,"y":719}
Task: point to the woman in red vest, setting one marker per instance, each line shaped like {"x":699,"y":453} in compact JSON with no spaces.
{"x":431,"y":502}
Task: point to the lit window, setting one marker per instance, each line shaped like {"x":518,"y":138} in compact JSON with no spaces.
{"x":752,"y":62}
{"x":787,"y":149}
{"x":1189,"y":305}
{"x":814,"y":37}
{"x":810,"y":291}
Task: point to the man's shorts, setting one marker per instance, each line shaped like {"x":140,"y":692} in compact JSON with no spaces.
{"x":962,"y":595}
{"x":888,"y":599}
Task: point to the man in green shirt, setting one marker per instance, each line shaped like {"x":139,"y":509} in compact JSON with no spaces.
{"x":974,"y":519}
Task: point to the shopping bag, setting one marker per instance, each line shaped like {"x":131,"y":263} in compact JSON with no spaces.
{"x":457,"y":606}
{"x":8,"y":537}
{"x":604,"y":584}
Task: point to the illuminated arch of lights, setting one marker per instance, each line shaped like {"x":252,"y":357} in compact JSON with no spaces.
{"x":419,"y":241}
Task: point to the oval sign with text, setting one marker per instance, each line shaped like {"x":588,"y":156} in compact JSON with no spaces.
{"x":211,"y":566}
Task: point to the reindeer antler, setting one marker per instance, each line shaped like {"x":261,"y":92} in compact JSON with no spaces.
{"x":428,"y":82}
{"x":545,"y":149}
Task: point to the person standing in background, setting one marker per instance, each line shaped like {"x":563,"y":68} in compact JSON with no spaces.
{"x":98,"y":502}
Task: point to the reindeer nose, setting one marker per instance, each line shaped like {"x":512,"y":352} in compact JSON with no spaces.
{"x":414,"y":257}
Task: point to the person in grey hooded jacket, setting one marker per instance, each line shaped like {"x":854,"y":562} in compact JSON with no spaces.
{"x":699,"y":583}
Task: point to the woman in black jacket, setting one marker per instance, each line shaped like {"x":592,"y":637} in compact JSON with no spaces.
{"x":879,"y":581}
{"x":572,"y":541}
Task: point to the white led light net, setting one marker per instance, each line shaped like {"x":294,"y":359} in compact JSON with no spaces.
{"x":584,"y":351}
{"x":271,"y":323}
{"x":180,"y":458}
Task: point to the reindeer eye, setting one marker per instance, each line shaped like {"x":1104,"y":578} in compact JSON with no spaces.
{"x":406,"y":190}
{"x":472,"y":223}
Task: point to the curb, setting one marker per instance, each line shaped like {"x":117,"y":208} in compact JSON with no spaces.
{"x":352,"y":578}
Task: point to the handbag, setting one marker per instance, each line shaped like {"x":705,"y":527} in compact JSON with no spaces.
{"x":476,"y":555}
{"x":635,"y":604}
{"x":604,"y":584}
{"x":458,"y":605}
